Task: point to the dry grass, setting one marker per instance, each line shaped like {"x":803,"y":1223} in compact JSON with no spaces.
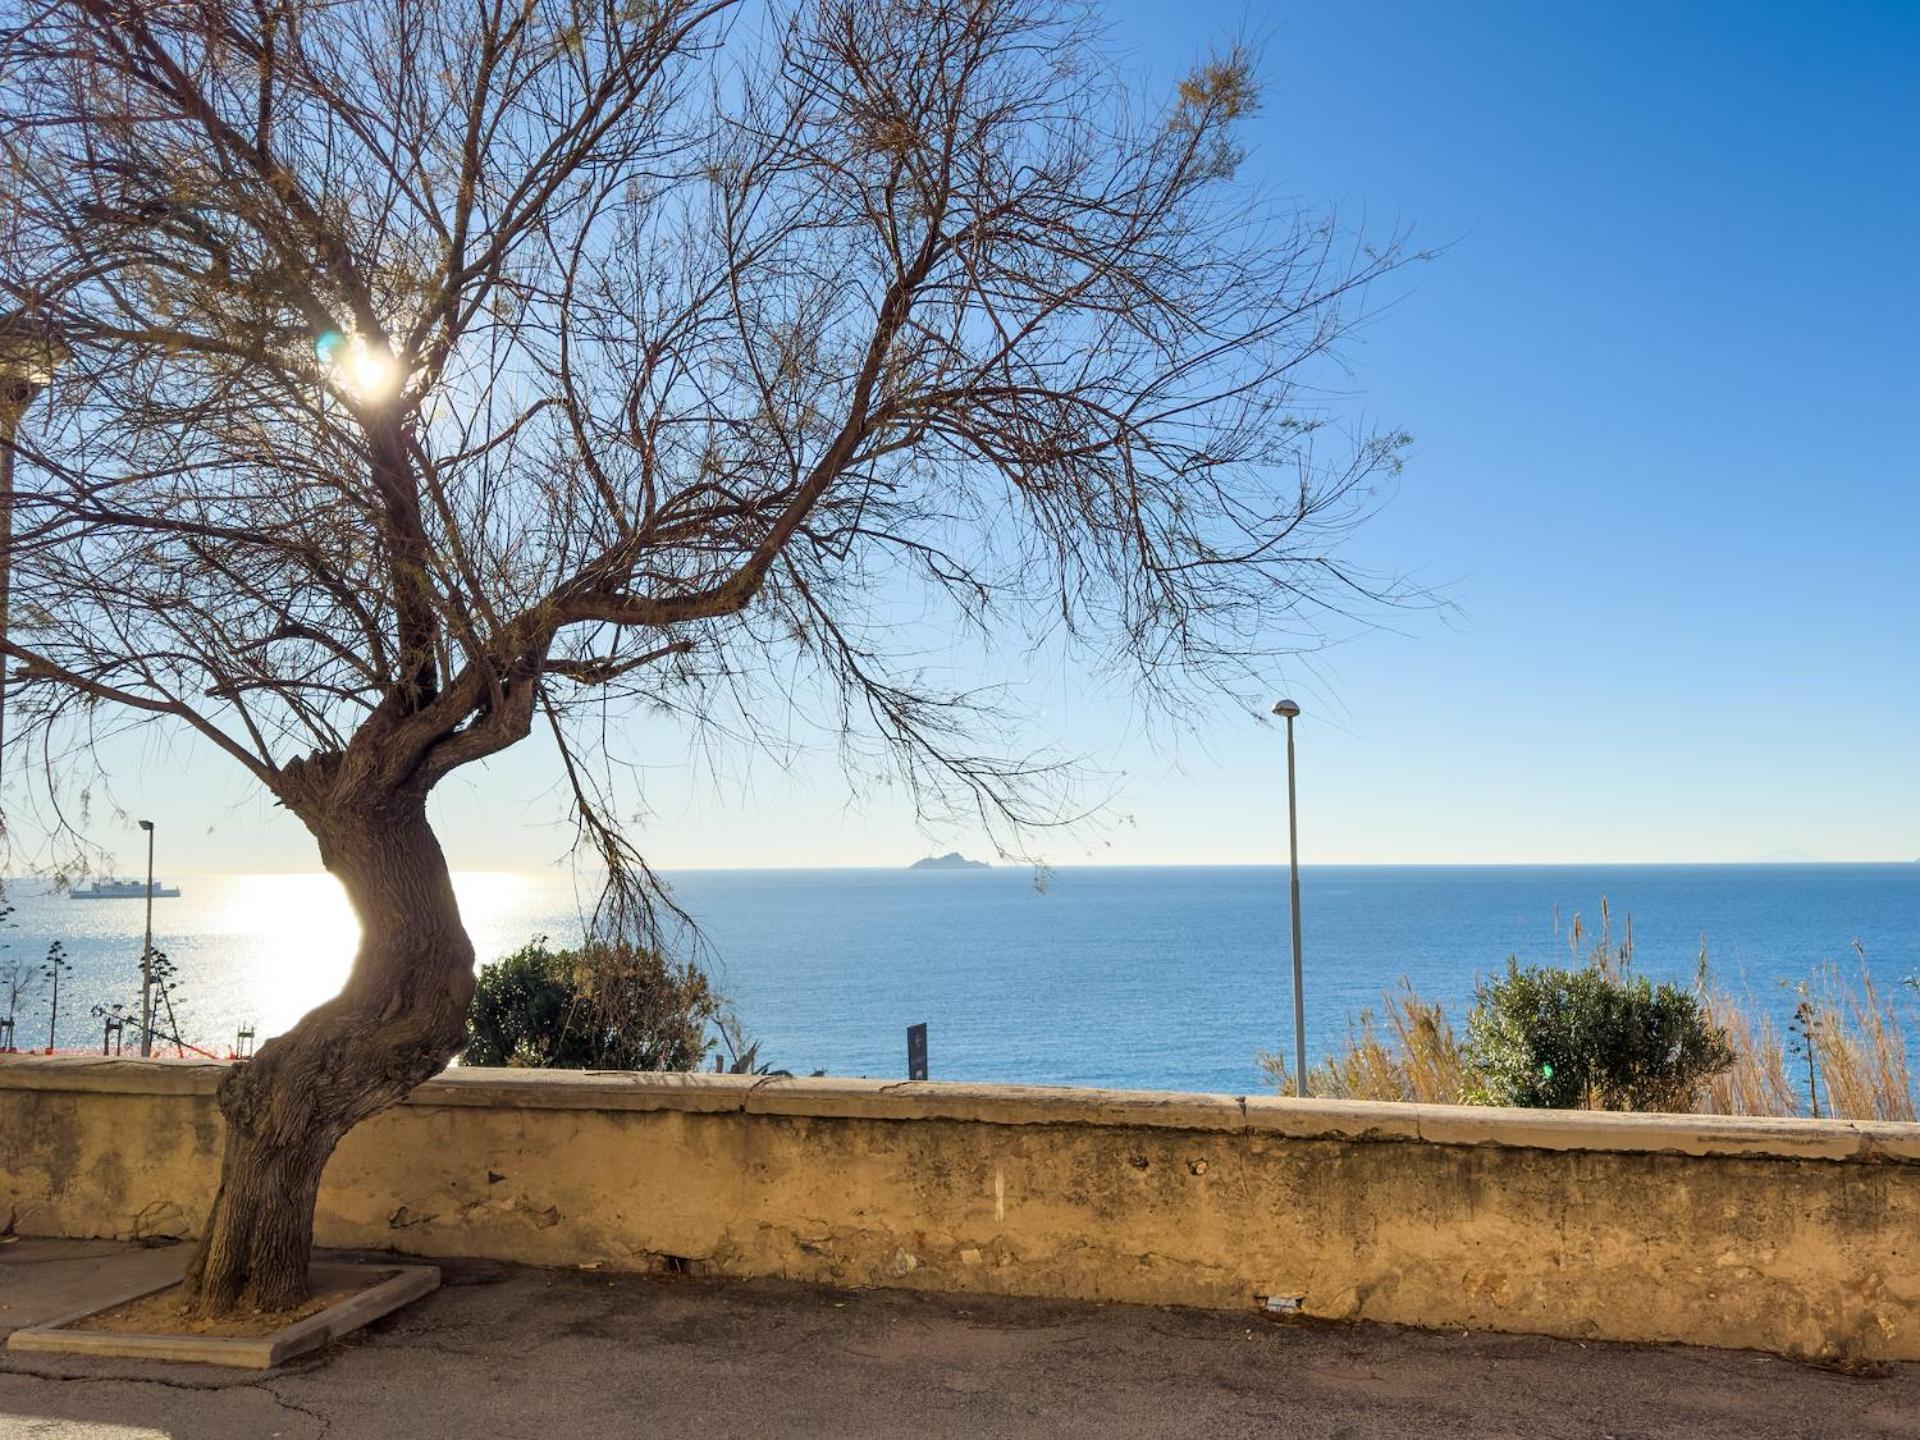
{"x":1860,"y":1044}
{"x":1758,"y":1083}
{"x":1419,"y":1062}
{"x":1843,"y":1057}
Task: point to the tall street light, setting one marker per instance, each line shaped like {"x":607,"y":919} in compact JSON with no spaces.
{"x":30,"y":351}
{"x":146,"y":955}
{"x":1288,"y":711}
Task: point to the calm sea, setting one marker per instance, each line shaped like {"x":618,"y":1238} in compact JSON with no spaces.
{"x":1161,"y":978}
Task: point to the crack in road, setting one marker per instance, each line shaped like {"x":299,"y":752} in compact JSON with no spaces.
{"x":263,"y":1386}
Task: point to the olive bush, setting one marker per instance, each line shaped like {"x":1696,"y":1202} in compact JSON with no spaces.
{"x":1590,"y":1038}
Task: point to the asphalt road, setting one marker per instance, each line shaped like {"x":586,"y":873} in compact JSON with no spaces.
{"x":506,"y":1351}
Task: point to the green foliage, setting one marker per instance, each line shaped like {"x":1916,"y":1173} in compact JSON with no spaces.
{"x":1590,"y":1038}
{"x":601,"y":1007}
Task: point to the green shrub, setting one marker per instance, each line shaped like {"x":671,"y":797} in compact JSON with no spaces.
{"x":604,"y":1006}
{"x":1590,"y":1038}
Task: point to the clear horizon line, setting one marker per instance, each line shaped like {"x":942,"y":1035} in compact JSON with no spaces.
{"x":558,"y":872}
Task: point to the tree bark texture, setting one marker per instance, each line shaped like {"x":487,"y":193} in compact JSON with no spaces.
{"x":399,"y":1019}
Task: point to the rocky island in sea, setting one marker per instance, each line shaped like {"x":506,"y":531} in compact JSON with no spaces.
{"x":952,"y":860}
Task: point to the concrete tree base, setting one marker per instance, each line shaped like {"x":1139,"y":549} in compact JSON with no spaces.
{"x":253,"y":1352}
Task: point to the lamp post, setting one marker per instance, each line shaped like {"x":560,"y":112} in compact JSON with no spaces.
{"x":30,"y":351}
{"x":1288,"y":711}
{"x":146,"y":955}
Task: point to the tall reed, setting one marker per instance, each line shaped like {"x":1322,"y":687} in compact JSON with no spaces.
{"x":1758,"y":1083}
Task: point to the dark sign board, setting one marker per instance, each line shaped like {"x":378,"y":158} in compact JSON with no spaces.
{"x":916,"y":1052}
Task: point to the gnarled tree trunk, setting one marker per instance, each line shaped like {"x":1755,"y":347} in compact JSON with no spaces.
{"x":399,"y":1019}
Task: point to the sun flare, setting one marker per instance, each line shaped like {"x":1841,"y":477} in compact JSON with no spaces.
{"x":368,"y":369}
{"x":316,"y":933}
{"x":375,"y":373}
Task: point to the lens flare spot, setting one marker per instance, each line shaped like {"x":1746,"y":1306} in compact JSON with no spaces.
{"x":366,"y":368}
{"x":373,"y":373}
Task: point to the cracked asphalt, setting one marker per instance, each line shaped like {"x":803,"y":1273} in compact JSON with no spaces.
{"x":504,"y":1350}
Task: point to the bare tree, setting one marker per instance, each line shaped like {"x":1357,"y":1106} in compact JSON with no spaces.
{"x":443,"y":370}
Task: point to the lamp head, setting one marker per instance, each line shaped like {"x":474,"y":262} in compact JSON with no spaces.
{"x":1285,"y":709}
{"x":146,"y":824}
{"x":30,"y":351}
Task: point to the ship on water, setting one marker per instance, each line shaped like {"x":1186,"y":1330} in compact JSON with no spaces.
{"x":123,"y":890}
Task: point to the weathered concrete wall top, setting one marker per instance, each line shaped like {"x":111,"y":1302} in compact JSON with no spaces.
{"x":1788,"y":1235}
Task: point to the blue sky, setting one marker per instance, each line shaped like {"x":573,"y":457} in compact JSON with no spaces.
{"x":1662,"y":385}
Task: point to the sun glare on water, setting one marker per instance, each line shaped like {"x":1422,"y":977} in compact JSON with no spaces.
{"x":304,"y":933}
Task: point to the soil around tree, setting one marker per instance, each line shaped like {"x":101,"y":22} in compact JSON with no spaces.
{"x":168,"y":1312}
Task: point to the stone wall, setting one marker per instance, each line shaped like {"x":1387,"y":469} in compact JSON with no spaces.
{"x":1794,"y":1236}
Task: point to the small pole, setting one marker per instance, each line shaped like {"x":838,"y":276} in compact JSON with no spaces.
{"x":1287,"y":710}
{"x":8,"y":409}
{"x":53,"y":1019}
{"x":146,"y":956}
{"x":30,"y":351}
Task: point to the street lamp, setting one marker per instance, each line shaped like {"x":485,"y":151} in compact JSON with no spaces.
{"x":30,"y":351}
{"x":1288,"y":711}
{"x":146,"y":955}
